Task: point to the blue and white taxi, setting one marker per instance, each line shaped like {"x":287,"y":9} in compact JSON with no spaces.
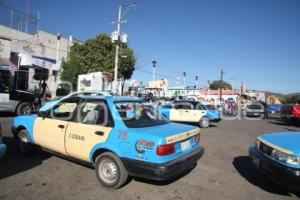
{"x":190,"y":111}
{"x":119,"y":136}
{"x":278,"y":156}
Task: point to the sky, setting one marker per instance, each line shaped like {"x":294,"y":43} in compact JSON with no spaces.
{"x":254,"y":41}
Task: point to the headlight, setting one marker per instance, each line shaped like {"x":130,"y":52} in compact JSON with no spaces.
{"x":283,"y":157}
{"x":257,"y":143}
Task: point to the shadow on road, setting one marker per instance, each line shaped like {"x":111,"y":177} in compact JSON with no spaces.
{"x":163,"y":183}
{"x":13,"y":162}
{"x":6,"y":114}
{"x":285,"y":123}
{"x":245,"y":167}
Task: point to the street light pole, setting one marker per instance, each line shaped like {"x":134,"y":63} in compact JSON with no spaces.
{"x":153,"y":70}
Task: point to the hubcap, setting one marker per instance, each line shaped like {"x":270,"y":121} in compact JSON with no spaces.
{"x":108,"y":171}
{"x":23,"y":141}
{"x":26,"y":109}
{"x":205,"y":123}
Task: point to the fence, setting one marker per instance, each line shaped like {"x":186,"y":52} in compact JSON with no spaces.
{"x":18,"y":20}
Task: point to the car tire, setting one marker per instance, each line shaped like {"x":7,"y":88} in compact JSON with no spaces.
{"x":24,"y":108}
{"x":204,"y":122}
{"x":110,"y":170}
{"x":23,"y":143}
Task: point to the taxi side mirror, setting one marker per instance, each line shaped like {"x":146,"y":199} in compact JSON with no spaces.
{"x":43,"y":114}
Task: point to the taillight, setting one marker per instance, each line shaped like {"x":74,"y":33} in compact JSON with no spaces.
{"x":167,"y":149}
{"x":197,"y":138}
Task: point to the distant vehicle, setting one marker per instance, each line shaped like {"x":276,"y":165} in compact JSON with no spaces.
{"x":274,"y":108}
{"x":291,"y":113}
{"x":190,"y":111}
{"x":119,"y":136}
{"x":18,"y":101}
{"x":255,"y":110}
{"x":2,"y":146}
{"x":12,"y":100}
{"x":278,"y":156}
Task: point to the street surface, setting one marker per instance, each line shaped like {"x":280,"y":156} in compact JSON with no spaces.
{"x":224,"y":172}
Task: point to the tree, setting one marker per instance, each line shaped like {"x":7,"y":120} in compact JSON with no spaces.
{"x":97,"y":55}
{"x":215,"y":85}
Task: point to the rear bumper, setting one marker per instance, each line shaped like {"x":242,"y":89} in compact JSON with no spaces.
{"x":286,"y":176}
{"x":254,"y":114}
{"x":2,"y":150}
{"x":163,"y":171}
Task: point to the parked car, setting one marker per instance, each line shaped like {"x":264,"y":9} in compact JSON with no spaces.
{"x":278,"y":156}
{"x":255,"y":110}
{"x":2,"y":146}
{"x":18,"y":101}
{"x":190,"y":111}
{"x":119,"y":136}
{"x":291,"y":113}
{"x":274,"y":108}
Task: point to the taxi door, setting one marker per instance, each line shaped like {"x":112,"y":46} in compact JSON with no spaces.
{"x":181,"y":112}
{"x":49,"y":131}
{"x":92,"y":125}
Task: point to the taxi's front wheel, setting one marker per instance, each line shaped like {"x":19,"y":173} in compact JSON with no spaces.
{"x":110,"y":170}
{"x":23,"y":142}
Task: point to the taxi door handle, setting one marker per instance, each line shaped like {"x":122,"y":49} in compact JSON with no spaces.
{"x":101,"y":133}
{"x":186,"y":111}
{"x":61,"y":126}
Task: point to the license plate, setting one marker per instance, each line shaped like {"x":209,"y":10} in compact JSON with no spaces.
{"x":256,"y":161}
{"x":185,"y":145}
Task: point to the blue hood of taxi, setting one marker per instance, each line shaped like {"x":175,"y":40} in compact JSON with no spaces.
{"x":213,"y":114}
{"x":286,"y":140}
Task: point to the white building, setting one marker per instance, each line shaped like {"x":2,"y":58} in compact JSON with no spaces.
{"x":39,"y":51}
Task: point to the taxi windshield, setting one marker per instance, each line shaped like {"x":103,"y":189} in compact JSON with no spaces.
{"x":136,"y":114}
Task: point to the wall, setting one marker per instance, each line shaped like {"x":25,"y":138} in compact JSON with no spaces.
{"x":42,"y":44}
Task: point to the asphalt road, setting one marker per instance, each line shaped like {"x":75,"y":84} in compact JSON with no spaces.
{"x":224,"y":172}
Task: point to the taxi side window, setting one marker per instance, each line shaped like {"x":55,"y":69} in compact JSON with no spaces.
{"x":183,"y":106}
{"x":94,"y":113}
{"x":64,"y":110}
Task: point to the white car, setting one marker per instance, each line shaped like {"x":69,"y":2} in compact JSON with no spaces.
{"x":190,"y":111}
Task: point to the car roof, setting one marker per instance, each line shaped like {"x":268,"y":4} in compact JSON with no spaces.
{"x":113,"y":98}
{"x":182,"y":101}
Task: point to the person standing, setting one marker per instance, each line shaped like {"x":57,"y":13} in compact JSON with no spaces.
{"x":44,"y":88}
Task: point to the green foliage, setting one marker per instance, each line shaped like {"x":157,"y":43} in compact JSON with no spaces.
{"x":97,"y":55}
{"x":295,"y":99}
{"x":220,"y":85}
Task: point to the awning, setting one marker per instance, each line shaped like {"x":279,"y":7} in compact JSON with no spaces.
{"x":43,"y":62}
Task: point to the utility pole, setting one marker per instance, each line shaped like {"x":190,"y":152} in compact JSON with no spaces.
{"x":196,"y":78}
{"x":184,"y":75}
{"x":222,"y":74}
{"x":118,"y":41}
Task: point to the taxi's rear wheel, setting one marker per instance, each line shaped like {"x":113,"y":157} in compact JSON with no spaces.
{"x":23,"y":142}
{"x":110,"y":170}
{"x":204,"y":122}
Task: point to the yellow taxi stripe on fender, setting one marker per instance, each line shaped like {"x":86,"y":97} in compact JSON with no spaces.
{"x":275,"y":147}
{"x":182,"y":136}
